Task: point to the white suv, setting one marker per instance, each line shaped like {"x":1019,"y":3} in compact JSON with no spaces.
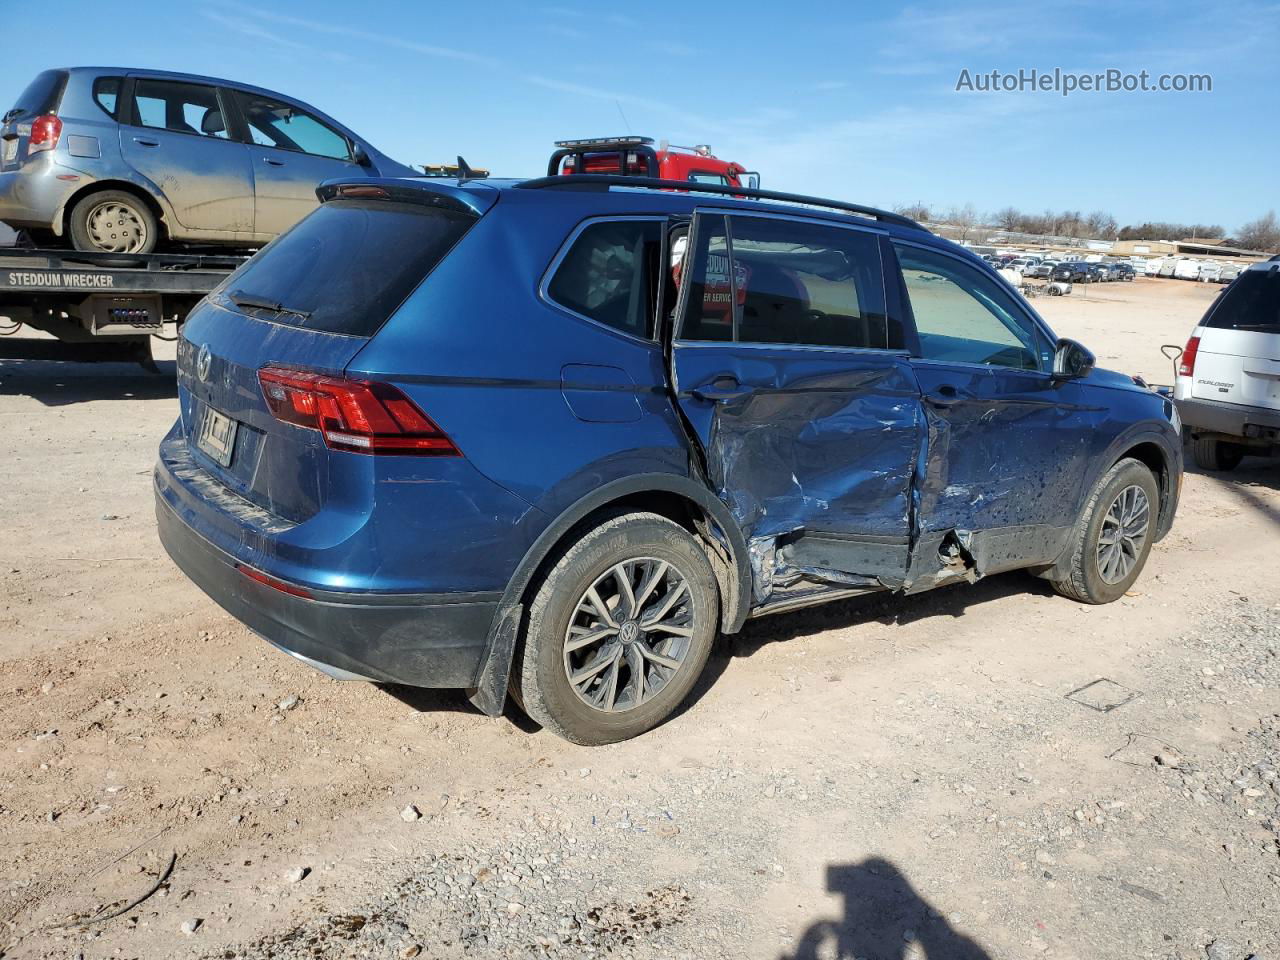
{"x":1228,"y":385}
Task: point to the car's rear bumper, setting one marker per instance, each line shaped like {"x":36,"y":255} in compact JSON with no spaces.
{"x":34,"y":198}
{"x":427,"y":640}
{"x":1237,"y":420}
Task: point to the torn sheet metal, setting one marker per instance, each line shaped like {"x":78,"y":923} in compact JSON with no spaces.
{"x":1003,"y":456}
{"x":819,"y":448}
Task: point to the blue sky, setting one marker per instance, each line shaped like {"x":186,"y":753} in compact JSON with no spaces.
{"x":844,"y":100}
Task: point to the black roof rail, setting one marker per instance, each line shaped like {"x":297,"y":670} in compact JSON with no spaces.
{"x":605,"y":181}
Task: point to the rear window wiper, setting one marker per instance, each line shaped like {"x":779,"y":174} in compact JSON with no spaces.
{"x":255,"y":302}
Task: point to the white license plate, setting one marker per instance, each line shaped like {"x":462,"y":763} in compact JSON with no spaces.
{"x":10,"y":149}
{"x":217,"y":436}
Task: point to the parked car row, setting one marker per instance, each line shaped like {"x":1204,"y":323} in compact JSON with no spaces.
{"x":1071,"y":271}
{"x":1186,"y":268}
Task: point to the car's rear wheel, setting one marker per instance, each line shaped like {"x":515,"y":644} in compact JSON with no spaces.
{"x":1210,"y":453}
{"x":619,"y":630}
{"x":113,"y":221}
{"x":1113,"y":536}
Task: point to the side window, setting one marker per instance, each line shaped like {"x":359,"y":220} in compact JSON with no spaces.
{"x":708,"y":313}
{"x":703,"y":177}
{"x":794,"y":282}
{"x":963,"y":316}
{"x":273,"y":123}
{"x":610,"y":274}
{"x":106,"y":93}
{"x":806,"y":283}
{"x":180,"y":107}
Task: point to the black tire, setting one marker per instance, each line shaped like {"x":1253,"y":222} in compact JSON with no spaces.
{"x":1210,"y":453}
{"x":113,"y":221}
{"x":1085,"y":581}
{"x":541,"y":678}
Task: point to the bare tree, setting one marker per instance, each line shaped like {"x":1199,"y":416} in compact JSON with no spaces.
{"x":964,"y":219}
{"x":1100,"y":225}
{"x":1261,"y":234}
{"x":1170,"y":231}
{"x":1010,"y":218}
{"x":916,"y":211}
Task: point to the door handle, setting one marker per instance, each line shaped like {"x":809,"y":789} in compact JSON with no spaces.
{"x":146,"y":142}
{"x":721,"y":389}
{"x":271,"y":162}
{"x":947,"y":396}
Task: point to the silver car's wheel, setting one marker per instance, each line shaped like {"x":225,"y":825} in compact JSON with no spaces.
{"x":1123,"y":534}
{"x":116,"y":228}
{"x":113,"y":221}
{"x":629,"y":634}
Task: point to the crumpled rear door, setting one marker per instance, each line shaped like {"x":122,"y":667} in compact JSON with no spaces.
{"x":812,"y":445}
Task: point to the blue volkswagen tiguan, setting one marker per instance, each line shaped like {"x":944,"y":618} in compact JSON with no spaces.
{"x":550,"y":436}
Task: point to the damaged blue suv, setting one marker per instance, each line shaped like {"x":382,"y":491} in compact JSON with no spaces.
{"x":549,"y":437}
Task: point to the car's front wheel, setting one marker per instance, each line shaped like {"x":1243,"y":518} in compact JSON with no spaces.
{"x":618,"y":631}
{"x":113,"y":221}
{"x":1113,"y":536}
{"x":1210,"y":453}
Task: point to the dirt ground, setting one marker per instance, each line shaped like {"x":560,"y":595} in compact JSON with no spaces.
{"x":983,"y":771}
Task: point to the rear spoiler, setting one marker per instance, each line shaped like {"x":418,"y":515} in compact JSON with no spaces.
{"x":426,"y":192}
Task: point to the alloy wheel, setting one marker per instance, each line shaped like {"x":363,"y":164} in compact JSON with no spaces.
{"x":1123,"y":533}
{"x":629,"y":634}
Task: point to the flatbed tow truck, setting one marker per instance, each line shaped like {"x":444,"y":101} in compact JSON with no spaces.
{"x":105,"y":306}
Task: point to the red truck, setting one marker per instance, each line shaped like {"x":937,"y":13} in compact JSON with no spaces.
{"x":637,"y":157}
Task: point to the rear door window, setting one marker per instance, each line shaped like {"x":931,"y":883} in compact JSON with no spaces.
{"x":180,"y":107}
{"x":348,"y":266}
{"x":274,"y":123}
{"x":1251,"y":304}
{"x":609,"y":275}
{"x":42,"y":95}
{"x":784,"y":281}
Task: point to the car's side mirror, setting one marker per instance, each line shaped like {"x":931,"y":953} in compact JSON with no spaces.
{"x":359,"y":155}
{"x":1072,"y":360}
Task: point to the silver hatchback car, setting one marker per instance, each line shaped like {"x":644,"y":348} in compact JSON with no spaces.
{"x":120,"y":160}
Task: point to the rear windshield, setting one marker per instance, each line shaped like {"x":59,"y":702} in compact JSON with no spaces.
{"x":347,"y":266}
{"x":41,"y":96}
{"x":1251,"y":303}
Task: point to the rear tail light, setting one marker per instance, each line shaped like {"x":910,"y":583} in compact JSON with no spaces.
{"x":45,"y":131}
{"x":356,"y":415}
{"x":1187,"y":362}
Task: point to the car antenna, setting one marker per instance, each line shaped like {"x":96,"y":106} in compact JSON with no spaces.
{"x":464,"y":171}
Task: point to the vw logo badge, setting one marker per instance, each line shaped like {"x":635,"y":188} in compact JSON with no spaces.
{"x":203,"y":360}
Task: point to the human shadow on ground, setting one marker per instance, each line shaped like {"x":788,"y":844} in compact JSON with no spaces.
{"x":883,"y":917}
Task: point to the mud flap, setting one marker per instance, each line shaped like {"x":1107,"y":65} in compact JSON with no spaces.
{"x":489,"y":695}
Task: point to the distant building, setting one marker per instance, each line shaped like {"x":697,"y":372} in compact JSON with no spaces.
{"x":1191,"y":247}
